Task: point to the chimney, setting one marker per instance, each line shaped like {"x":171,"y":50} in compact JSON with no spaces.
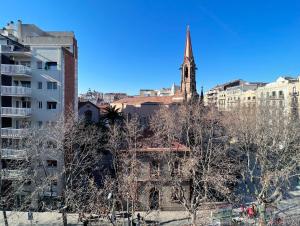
{"x":19,"y":30}
{"x":10,"y":28}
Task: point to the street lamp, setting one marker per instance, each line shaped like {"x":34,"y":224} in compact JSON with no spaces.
{"x":113,"y":215}
{"x":128,"y":222}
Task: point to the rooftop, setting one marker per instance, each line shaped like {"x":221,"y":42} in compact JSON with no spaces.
{"x":138,"y":100}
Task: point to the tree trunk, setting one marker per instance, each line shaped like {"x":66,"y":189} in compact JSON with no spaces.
{"x":5,"y":217}
{"x":65,"y":219}
{"x":194,"y":218}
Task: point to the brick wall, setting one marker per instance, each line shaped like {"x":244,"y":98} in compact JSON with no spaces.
{"x":70,"y":60}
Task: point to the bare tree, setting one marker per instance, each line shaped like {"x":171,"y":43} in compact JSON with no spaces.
{"x":64,"y":161}
{"x":209,"y":164}
{"x":268,"y":142}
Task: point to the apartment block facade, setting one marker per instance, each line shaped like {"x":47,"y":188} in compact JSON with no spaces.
{"x":38,"y":88}
{"x":283,"y":93}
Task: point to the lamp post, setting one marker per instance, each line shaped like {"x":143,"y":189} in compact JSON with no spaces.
{"x":113,"y":215}
{"x":128,"y":220}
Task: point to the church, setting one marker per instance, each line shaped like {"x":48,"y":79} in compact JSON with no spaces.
{"x":152,"y":188}
{"x":145,"y":106}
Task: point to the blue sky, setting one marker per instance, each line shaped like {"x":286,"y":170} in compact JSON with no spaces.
{"x":126,"y":45}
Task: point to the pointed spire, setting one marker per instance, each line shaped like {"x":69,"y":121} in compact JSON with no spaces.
{"x":188,"y":53}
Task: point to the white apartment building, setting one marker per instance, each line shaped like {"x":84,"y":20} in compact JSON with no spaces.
{"x":161,"y":92}
{"x":284,"y":92}
{"x":38,"y":87}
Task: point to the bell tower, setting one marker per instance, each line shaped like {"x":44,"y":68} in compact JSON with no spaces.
{"x":188,"y":70}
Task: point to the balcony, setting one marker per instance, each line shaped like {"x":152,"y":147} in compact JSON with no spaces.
{"x":7,"y":153}
{"x":11,"y":50}
{"x":13,"y":133}
{"x":15,"y":70}
{"x":10,"y":174}
{"x":16,"y":91}
{"x":15,"y":112}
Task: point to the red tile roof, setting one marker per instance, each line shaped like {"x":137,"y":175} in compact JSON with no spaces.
{"x":137,"y":100}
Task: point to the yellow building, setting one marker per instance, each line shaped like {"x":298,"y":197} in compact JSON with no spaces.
{"x":284,"y":92}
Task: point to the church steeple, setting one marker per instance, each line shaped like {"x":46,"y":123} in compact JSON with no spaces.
{"x":188,"y":52}
{"x":188,"y":69}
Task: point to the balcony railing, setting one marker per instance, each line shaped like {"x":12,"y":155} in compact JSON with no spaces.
{"x":11,"y":49}
{"x":12,"y":69}
{"x":15,"y":91}
{"x":13,"y":133}
{"x":15,"y":112}
{"x":7,"y":153}
{"x":13,"y":174}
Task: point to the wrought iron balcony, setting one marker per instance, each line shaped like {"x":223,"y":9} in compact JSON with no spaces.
{"x":15,"y":70}
{"x":18,"y":91}
{"x":7,"y":153}
{"x":13,"y":133}
{"x":15,"y":112}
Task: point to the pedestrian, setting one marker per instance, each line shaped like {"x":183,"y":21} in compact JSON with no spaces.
{"x":138,"y":219}
{"x":242,"y":210}
{"x":85,"y":222}
{"x":254,"y":207}
{"x":250,"y":212}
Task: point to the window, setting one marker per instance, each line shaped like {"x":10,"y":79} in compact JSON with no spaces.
{"x":27,"y":183}
{"x":280,"y":93}
{"x":39,"y":65}
{"x":88,"y":115}
{"x":26,"y":104}
{"x":40,"y":124}
{"x":51,"y":144}
{"x":52,"y":163}
{"x":249,"y":98}
{"x":253,"y":98}
{"x":175,"y":168}
{"x":186,"y":72}
{"x":51,"y":66}
{"x":175,"y":195}
{"x":51,"y":85}
{"x":51,"y":105}
{"x":274,"y":94}
{"x":26,"y":84}
{"x":40,"y":104}
{"x":54,"y":182}
{"x":154,"y":199}
{"x":40,"y":85}
{"x":154,"y":168}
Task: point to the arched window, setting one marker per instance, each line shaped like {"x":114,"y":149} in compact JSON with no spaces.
{"x":154,"y":199}
{"x":186,"y":72}
{"x":88,"y":115}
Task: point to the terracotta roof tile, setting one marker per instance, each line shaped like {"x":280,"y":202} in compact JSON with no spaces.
{"x":141,"y":100}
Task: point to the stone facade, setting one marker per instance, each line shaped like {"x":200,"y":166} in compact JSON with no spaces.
{"x":154,"y":178}
{"x":88,"y":111}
